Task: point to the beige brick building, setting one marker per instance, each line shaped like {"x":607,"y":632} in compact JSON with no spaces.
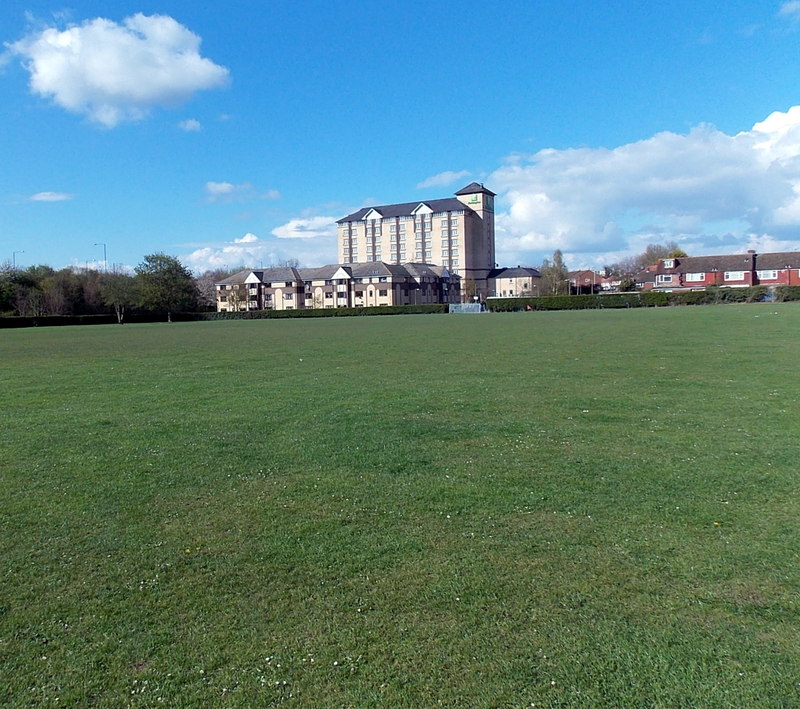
{"x":456,"y":233}
{"x":337,"y":286}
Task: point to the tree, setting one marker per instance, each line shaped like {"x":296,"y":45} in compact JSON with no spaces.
{"x":652,"y":254}
{"x":236,"y":297}
{"x":206,"y":286}
{"x":554,"y":275}
{"x":165,"y":285}
{"x":119,"y":291}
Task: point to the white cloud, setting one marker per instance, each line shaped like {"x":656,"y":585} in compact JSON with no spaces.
{"x":262,"y":252}
{"x":50,"y":197}
{"x":443,"y":179}
{"x":708,"y":190}
{"x":228,"y":192}
{"x":190,"y":125}
{"x":790,"y":9}
{"x":246,"y":239}
{"x":308,"y":228}
{"x":114,"y":72}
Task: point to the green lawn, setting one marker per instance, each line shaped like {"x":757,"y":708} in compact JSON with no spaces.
{"x":567,"y":509}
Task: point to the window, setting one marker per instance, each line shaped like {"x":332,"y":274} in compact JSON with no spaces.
{"x":359,"y":294}
{"x":383,"y":279}
{"x":223,"y":299}
{"x":454,"y":231}
{"x":329,"y":295}
{"x":223,"y":287}
{"x":695,"y":277}
{"x":669,"y":263}
{"x":288,"y":296}
{"x":767,"y":275}
{"x":268,"y":297}
{"x":661,"y":278}
{"x":734,"y":275}
{"x":382,"y":293}
{"x":454,"y":252}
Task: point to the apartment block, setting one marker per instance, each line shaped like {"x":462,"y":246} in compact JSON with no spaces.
{"x":372,"y":284}
{"x":456,"y":233}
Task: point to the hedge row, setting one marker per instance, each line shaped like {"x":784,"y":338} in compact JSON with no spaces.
{"x":326,"y":312}
{"x":645,"y":299}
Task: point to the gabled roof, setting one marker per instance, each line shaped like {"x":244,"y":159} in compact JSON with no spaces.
{"x":236,"y":278}
{"x":474,"y":188}
{"x":785,"y":259}
{"x":449,"y":204}
{"x":515,"y":272}
{"x":706,"y":264}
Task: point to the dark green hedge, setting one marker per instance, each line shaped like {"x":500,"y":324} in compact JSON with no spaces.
{"x":645,"y":299}
{"x":325,"y":312}
{"x":787,"y":293}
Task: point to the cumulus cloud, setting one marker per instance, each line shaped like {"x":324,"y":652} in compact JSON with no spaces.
{"x":113,"y":72}
{"x":50,"y":197}
{"x":448,"y":177}
{"x":254,"y":253}
{"x":708,"y":190}
{"x":246,"y":239}
{"x":190,"y":125}
{"x":307,"y":228}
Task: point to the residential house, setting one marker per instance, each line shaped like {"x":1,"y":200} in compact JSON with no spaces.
{"x":585,"y":282}
{"x":728,"y":270}
{"x":514,"y":282}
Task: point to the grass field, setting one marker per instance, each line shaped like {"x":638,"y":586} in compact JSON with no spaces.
{"x":568,"y":509}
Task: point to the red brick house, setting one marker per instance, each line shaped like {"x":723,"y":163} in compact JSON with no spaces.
{"x":728,"y":270}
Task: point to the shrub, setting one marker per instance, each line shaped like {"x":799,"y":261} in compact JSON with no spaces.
{"x":785,"y":294}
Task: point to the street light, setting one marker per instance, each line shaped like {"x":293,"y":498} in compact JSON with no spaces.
{"x":105,"y":260}
{"x":14,"y":258}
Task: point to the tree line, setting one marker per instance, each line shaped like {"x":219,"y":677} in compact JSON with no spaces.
{"x":555,"y":274}
{"x":160,"y":284}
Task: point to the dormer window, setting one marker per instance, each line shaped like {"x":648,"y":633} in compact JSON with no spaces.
{"x":669,"y":263}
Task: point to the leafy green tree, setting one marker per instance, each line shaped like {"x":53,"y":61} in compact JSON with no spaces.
{"x":7,"y":288}
{"x":165,"y":285}
{"x":554,"y":275}
{"x":118,"y":290}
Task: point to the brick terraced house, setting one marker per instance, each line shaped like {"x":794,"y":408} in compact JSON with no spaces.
{"x":729,"y":270}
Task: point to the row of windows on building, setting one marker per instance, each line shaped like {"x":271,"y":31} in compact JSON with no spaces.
{"x":308,"y":296}
{"x":765,"y":275}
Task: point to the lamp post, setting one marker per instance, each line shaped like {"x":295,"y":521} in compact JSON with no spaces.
{"x":14,"y":258}
{"x":105,"y":259}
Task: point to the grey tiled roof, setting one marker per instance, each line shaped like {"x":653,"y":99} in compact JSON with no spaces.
{"x":705,"y":264}
{"x":785,"y":259}
{"x":515,"y":272}
{"x":473,"y":188}
{"x":449,"y":204}
{"x":235,"y":278}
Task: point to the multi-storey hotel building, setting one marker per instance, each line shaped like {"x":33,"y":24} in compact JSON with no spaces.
{"x":456,"y":233}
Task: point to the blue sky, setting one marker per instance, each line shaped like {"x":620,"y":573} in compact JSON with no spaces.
{"x":236,"y":134}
